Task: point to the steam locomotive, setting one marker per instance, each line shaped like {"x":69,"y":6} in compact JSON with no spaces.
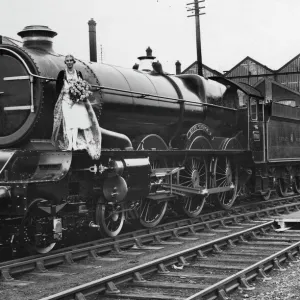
{"x":169,"y":141}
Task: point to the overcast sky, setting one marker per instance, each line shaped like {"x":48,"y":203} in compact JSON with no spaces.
{"x":266,"y":30}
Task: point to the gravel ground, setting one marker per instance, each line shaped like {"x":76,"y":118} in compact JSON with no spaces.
{"x":285,"y":285}
{"x":94,"y":270}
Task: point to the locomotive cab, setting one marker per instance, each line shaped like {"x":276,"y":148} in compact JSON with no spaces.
{"x":256,"y":119}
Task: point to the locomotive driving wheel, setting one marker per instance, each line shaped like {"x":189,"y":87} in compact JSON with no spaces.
{"x":151,"y":211}
{"x":282,"y":186}
{"x":32,"y":230}
{"x":296,"y":185}
{"x":110,"y":219}
{"x":225,"y":174}
{"x":194,"y":175}
{"x":266,"y":195}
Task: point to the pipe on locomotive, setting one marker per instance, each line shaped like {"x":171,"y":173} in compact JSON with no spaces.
{"x":120,"y":136}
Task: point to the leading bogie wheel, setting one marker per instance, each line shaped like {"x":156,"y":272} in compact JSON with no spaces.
{"x":110,"y":219}
{"x":36,"y":231}
{"x":152,"y":212}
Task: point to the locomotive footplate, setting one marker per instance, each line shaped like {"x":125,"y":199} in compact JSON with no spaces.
{"x":241,"y":156}
{"x":177,"y":152}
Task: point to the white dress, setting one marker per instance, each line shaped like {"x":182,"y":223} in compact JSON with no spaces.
{"x":75,"y":114}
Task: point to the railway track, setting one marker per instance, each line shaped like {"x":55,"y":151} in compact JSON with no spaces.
{"x":204,"y":228}
{"x":207,"y":271}
{"x":201,"y":227}
{"x":206,"y":216}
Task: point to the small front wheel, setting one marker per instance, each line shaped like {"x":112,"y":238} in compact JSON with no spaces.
{"x":109,"y":219}
{"x":35,"y":230}
{"x":152,"y":212}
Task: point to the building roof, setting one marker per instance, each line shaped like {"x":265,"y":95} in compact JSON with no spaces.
{"x":203,"y":66}
{"x":294,"y":58}
{"x":248,"y":58}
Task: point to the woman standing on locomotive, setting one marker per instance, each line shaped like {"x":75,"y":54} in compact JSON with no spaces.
{"x":75,"y":124}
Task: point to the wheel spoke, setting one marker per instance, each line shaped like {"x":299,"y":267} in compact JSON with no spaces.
{"x":222,"y":178}
{"x":185,"y":182}
{"x":182,"y":176}
{"x":222,"y":183}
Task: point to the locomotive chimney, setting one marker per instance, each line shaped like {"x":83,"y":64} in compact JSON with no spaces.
{"x":37,"y":36}
{"x":149,"y":52}
{"x":93,"y":42}
{"x":146,"y":61}
{"x":178,"y":67}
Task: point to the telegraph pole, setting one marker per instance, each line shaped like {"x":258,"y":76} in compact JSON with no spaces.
{"x":196,"y":9}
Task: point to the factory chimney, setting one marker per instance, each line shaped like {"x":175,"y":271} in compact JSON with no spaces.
{"x":93,"y":41}
{"x":178,"y":67}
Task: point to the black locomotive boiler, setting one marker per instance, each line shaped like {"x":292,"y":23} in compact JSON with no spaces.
{"x":168,"y":141}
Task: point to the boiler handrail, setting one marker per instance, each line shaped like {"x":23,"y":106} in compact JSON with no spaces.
{"x":164,"y":98}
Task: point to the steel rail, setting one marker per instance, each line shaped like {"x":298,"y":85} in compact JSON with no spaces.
{"x":109,"y":283}
{"x":241,"y":278}
{"x":39,"y":263}
{"x":204,"y":217}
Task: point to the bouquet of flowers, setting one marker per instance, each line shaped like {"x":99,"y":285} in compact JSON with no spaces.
{"x":79,"y":91}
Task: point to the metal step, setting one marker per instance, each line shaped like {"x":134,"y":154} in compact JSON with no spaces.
{"x":161,"y":197}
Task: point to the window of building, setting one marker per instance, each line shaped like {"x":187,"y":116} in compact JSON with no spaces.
{"x":253,"y":109}
{"x":287,"y":102}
